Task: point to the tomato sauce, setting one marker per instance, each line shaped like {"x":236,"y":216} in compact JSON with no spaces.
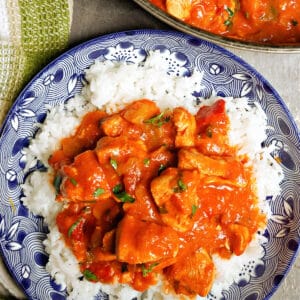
{"x":154,"y":194}
{"x":262,"y":21}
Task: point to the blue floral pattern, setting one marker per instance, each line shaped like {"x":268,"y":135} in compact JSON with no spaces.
{"x":125,"y":52}
{"x":21,"y":233}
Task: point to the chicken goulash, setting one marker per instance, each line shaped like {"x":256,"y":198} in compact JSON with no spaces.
{"x":151,"y":195}
{"x":263,"y":21}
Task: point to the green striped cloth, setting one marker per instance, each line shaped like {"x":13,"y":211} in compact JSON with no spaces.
{"x":32,"y":33}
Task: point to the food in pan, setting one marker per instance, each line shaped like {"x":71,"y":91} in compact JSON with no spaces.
{"x":148,"y":189}
{"x":266,"y":21}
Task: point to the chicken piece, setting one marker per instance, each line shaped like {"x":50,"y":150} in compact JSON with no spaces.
{"x":140,"y":242}
{"x":132,"y":172}
{"x":239,"y":238}
{"x":231,"y":170}
{"x":180,"y":9}
{"x":219,"y":182}
{"x":214,"y":16}
{"x":192,"y":274}
{"x":158,"y":161}
{"x":107,"y":211}
{"x":85,"y":138}
{"x":143,"y":207}
{"x":109,"y":241}
{"x":84,"y":179}
{"x":106,"y":250}
{"x":159,"y":131}
{"x":185,"y":124}
{"x":140,"y":111}
{"x":119,"y":147}
{"x":175,"y":194}
{"x":113,"y":125}
{"x":259,"y":11}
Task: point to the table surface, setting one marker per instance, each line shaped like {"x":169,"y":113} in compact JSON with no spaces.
{"x":97,"y":17}
{"x":92,"y":18}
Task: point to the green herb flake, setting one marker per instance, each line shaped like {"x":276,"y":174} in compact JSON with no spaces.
{"x":89,"y":275}
{"x":57,"y":182}
{"x":209,"y":132}
{"x":228,"y":22}
{"x":73,"y":227}
{"x":119,"y":192}
{"x":274,"y":11}
{"x":98,"y":192}
{"x":158,"y":120}
{"x":161,"y":168}
{"x":146,"y":271}
{"x":113,"y":163}
{"x":230,"y":12}
{"x":181,"y":186}
{"x":117,"y":188}
{"x":162,"y":210}
{"x":194,"y":209}
{"x":294,"y":22}
{"x":73,"y":181}
{"x":124,"y":197}
{"x":147,"y":162}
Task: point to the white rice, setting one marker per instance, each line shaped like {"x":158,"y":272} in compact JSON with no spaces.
{"x":111,"y":86}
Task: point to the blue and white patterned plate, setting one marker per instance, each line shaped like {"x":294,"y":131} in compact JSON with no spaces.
{"x":22,"y":233}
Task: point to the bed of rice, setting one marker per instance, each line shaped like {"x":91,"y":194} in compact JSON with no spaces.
{"x":111,"y":86}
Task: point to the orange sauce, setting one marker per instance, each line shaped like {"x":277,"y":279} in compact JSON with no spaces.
{"x":262,"y":21}
{"x":151,"y":193}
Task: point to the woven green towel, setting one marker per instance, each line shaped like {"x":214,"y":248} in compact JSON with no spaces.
{"x":38,"y":30}
{"x":31,"y":34}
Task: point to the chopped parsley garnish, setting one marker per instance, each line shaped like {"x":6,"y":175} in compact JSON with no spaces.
{"x":119,"y":192}
{"x":230,"y":12}
{"x":181,"y":186}
{"x":117,"y":188}
{"x":274,"y":11}
{"x":161,"y":168}
{"x":57,"y":182}
{"x":209,"y":132}
{"x":113,"y":163}
{"x":73,"y":227}
{"x":98,"y":192}
{"x":147,"y":162}
{"x":124,"y":197}
{"x":158,"y":120}
{"x":294,"y":22}
{"x":89,"y":275}
{"x":194,"y":209}
{"x":228,"y":23}
{"x":148,"y":270}
{"x":73,"y":181}
{"x":162,"y":210}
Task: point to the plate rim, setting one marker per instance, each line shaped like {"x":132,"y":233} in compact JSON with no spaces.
{"x":109,"y":36}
